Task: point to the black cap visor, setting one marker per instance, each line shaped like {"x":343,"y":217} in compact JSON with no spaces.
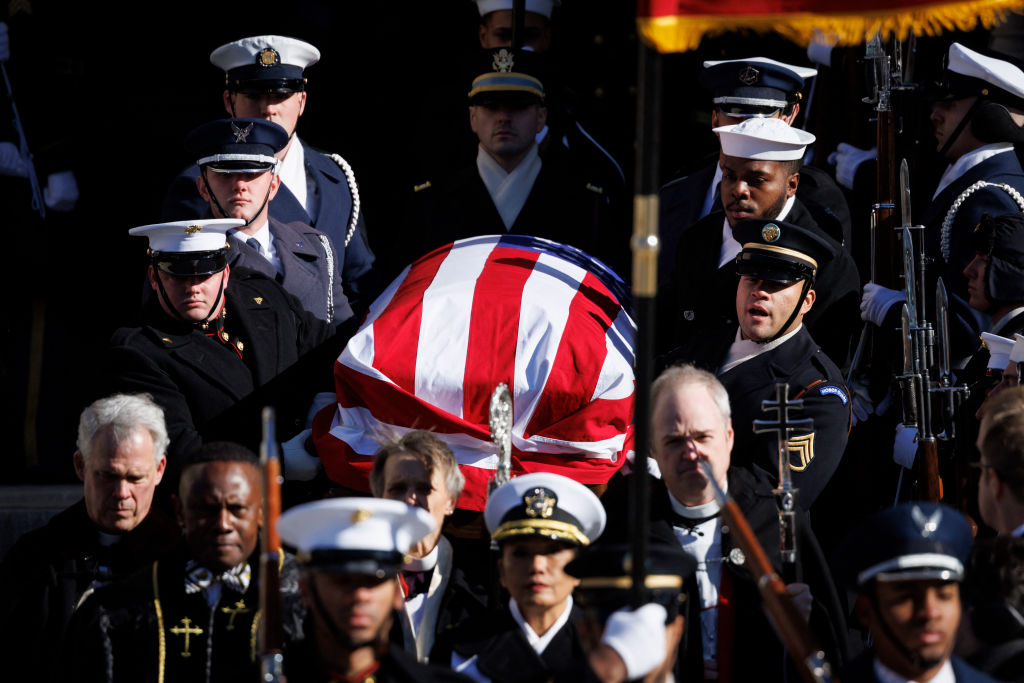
{"x":190,"y":263}
{"x":773,"y":267}
{"x":379,"y":563}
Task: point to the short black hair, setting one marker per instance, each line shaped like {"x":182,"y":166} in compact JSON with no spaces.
{"x":221,"y":451}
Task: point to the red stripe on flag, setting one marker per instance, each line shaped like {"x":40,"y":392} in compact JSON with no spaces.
{"x":341,"y":464}
{"x":494,"y":329}
{"x":396,"y":331}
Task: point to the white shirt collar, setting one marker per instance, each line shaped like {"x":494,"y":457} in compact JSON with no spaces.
{"x":743,"y":350}
{"x":887,"y":675}
{"x":696,"y":511}
{"x":293,"y":170}
{"x":969,"y":161}
{"x":422,"y":564}
{"x":539,"y":643}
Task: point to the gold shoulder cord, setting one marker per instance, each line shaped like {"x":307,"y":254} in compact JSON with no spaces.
{"x":162,"y":645}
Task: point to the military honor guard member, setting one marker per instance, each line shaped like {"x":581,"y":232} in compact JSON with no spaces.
{"x":778,"y":267}
{"x":264,"y":77}
{"x":510,"y":188}
{"x":238,"y":178}
{"x":906,"y":564}
{"x":978,"y":115}
{"x":351,"y":552}
{"x":113,"y":531}
{"x":420,"y":470}
{"x":754,"y":87}
{"x":727,"y":636}
{"x":760,"y":163}
{"x":193,"y":615}
{"x":212,"y":337}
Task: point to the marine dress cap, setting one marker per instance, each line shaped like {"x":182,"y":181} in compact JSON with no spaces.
{"x":265,"y":64}
{"x":507,"y":75}
{"x":778,"y":251}
{"x":354,"y":535}
{"x":545,"y":505}
{"x":237,"y":145}
{"x":756,"y":86}
{"x":907,"y":542}
{"x":764,"y":140}
{"x":188,"y":248}
{"x":544,"y":7}
{"x":999,"y":349}
{"x":972,"y":73}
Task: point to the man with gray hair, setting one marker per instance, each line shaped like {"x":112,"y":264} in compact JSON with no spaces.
{"x":107,"y":535}
{"x":420,"y":470}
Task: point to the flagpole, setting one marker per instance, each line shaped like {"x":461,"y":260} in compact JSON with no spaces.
{"x":645,"y":279}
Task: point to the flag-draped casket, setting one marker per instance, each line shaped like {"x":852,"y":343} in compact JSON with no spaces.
{"x":542,"y":317}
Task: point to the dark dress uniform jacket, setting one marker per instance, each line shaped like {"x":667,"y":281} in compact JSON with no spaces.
{"x":359,"y":279}
{"x":310,"y":268}
{"x":702,"y":296}
{"x":682,"y":200}
{"x":195,"y":378}
{"x":965,"y":323}
{"x":561,"y":206}
{"x":504,"y":655}
{"x":756,"y":652}
{"x":861,"y":670}
{"x":811,"y":376}
{"x":396,"y":666}
{"x":135,"y":631}
{"x":48,"y":570}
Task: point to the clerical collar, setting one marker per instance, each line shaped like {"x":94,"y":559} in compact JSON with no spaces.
{"x":743,"y":350}
{"x":422,"y":564}
{"x":107,"y":540}
{"x":703,"y":511}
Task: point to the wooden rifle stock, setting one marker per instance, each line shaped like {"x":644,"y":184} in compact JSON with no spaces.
{"x":271,"y":635}
{"x":928,"y":476}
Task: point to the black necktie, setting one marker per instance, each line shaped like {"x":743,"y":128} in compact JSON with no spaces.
{"x":417,"y":582}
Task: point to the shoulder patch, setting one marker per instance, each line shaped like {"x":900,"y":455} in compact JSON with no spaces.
{"x":834,"y":391}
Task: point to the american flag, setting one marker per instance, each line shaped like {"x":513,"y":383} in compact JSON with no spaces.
{"x":544,"y":318}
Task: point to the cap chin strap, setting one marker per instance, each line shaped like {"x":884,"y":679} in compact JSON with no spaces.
{"x":796,"y":310}
{"x":914,"y":658}
{"x":223,"y":213}
{"x":174,"y":311}
{"x":960,"y":127}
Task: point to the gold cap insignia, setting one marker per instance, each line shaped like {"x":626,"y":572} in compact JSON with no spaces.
{"x":503,"y":61}
{"x":258,"y":300}
{"x":540,"y":503}
{"x":770,"y":232}
{"x":268,"y":56}
{"x":748,"y":75}
{"x":193,"y":229}
{"x":361,"y":515}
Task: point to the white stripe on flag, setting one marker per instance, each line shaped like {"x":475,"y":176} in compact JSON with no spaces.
{"x":616,"y":378}
{"x":444,"y":329}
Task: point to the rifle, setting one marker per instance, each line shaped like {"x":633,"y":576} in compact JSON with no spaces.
{"x":793,"y":631}
{"x":271,"y":642}
{"x":782,"y":425}
{"x":38,"y":205}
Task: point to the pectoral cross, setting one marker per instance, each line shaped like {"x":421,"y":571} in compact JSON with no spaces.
{"x":239,"y":608}
{"x":186,"y":629}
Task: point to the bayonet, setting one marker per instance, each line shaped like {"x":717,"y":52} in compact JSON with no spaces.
{"x":909,"y":280}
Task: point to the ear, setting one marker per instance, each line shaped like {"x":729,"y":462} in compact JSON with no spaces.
{"x":501,"y":568}
{"x":161,"y":466}
{"x":792,"y":116}
{"x":542,"y":119}
{"x":79,"y":465}
{"x":201,"y":188}
{"x":229,"y":105}
{"x":151,"y":276}
{"x":472,"y":119}
{"x":730,"y":435}
{"x":481,"y":33}
{"x":792,"y":182}
{"x":275,"y":185}
{"x":302,"y":102}
{"x":864,"y":610}
{"x":227,"y":276}
{"x":808,"y":301}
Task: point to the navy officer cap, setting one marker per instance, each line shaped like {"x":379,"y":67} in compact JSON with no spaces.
{"x":778,"y":251}
{"x":265,"y":64}
{"x":237,"y":145}
{"x":544,"y":505}
{"x":756,"y":86}
{"x":1001,"y":238}
{"x":907,"y":542}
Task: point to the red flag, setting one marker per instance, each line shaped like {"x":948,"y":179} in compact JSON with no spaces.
{"x":544,"y":318}
{"x":679,"y":25}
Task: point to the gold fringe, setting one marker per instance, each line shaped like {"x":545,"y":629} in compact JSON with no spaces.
{"x":681,"y":33}
{"x":162,"y":643}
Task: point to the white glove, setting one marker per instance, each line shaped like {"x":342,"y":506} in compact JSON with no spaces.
{"x":5,"y":42}
{"x":299,"y":465}
{"x":847,"y":159}
{"x":877,"y":301}
{"x":904,"y":448}
{"x":820,"y":49}
{"x":61,"y":191}
{"x":11,"y":161}
{"x":638,"y":636}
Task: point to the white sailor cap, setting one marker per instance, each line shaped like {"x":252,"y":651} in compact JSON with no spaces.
{"x":999,"y":73}
{"x":543,"y":7}
{"x":354,"y":535}
{"x":1017,"y":352}
{"x":803,"y":72}
{"x":998,"y":349}
{"x":265,"y":63}
{"x":764,"y":139}
{"x":546,"y":505}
